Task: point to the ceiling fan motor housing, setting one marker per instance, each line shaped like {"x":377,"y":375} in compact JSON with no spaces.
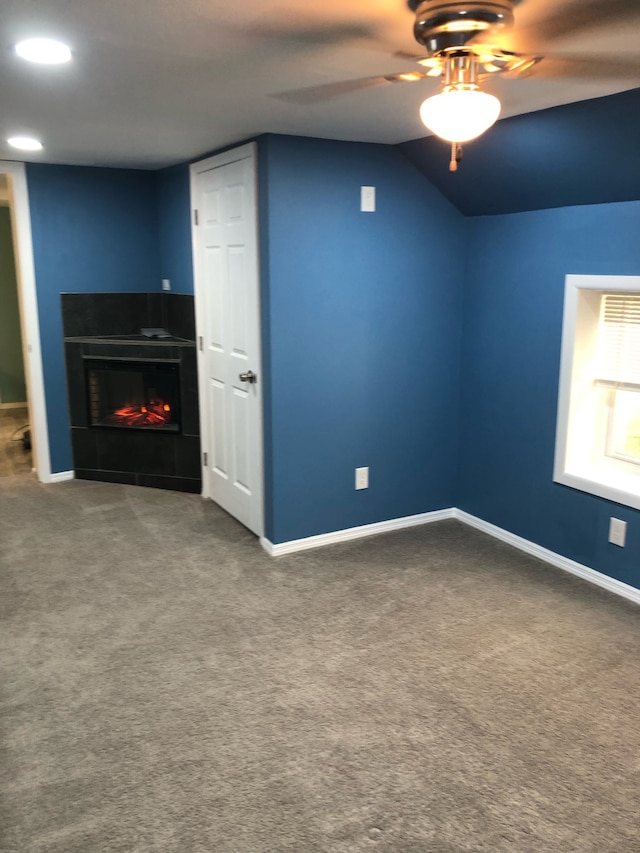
{"x":443,"y":25}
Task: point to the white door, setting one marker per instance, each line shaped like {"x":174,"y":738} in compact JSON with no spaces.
{"x":223,"y":191}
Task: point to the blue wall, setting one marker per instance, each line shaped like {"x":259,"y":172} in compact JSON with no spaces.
{"x":362,"y":317}
{"x":174,"y":228}
{"x":510,"y":365}
{"x":93,"y":230}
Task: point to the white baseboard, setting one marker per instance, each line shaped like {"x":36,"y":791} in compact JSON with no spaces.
{"x":13,"y":405}
{"x":295,"y":545}
{"x":60,"y":477}
{"x":560,"y":562}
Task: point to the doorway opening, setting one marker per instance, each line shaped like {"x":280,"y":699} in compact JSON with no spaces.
{"x":15,"y":427}
{"x":24,"y":439}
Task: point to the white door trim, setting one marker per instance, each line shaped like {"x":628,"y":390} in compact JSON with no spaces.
{"x":242,"y":152}
{"x":32,"y":353}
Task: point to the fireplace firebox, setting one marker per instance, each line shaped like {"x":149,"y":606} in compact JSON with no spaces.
{"x":140,"y":395}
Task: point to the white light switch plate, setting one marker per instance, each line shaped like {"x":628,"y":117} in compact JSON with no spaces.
{"x":367,"y":199}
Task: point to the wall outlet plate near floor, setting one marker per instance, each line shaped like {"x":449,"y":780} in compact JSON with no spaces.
{"x":362,"y":478}
{"x":617,"y":531}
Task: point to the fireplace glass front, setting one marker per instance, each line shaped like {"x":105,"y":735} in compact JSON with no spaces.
{"x":127,"y":394}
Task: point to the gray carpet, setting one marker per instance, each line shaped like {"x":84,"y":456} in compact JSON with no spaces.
{"x":168,"y":687}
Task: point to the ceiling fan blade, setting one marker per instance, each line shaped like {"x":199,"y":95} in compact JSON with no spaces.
{"x":575,"y":17}
{"x":409,"y":57}
{"x":327,"y":91}
{"x":317,"y":94}
{"x":582,"y":67}
{"x":318,"y":34}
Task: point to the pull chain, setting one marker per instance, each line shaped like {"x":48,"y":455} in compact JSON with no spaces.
{"x":456,"y":156}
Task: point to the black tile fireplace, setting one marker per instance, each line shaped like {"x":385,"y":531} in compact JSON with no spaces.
{"x":133,"y":400}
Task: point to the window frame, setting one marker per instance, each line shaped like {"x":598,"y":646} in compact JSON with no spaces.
{"x":576,"y":467}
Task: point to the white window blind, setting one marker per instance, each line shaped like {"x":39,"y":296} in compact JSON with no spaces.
{"x":619,"y":341}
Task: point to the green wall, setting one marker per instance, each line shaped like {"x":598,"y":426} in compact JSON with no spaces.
{"x":12,"y":387}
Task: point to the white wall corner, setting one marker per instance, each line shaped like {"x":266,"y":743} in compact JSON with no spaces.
{"x":591,"y":575}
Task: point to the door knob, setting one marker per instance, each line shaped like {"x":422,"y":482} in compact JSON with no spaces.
{"x":249,"y":377}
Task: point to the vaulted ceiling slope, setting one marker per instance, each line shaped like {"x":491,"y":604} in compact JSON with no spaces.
{"x":582,"y":153}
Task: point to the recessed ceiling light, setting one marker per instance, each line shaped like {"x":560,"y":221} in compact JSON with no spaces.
{"x":25,"y":143}
{"x":44,"y":51}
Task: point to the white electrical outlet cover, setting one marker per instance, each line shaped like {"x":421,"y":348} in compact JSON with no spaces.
{"x":362,"y":478}
{"x":617,"y":531}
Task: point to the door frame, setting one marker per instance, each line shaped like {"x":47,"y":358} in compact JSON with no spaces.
{"x":242,"y":152}
{"x":30,"y":323}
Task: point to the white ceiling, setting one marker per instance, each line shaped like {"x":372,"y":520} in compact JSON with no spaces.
{"x":156,"y":82}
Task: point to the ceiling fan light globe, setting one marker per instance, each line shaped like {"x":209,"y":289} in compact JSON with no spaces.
{"x":460,"y":115}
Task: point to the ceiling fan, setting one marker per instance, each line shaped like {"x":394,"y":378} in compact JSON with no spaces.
{"x":468,"y":41}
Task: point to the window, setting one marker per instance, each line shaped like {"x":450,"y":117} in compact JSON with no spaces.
{"x":623,"y":441}
{"x":598,"y":428}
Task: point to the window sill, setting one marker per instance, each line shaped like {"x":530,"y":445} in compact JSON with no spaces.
{"x":605,"y":483}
